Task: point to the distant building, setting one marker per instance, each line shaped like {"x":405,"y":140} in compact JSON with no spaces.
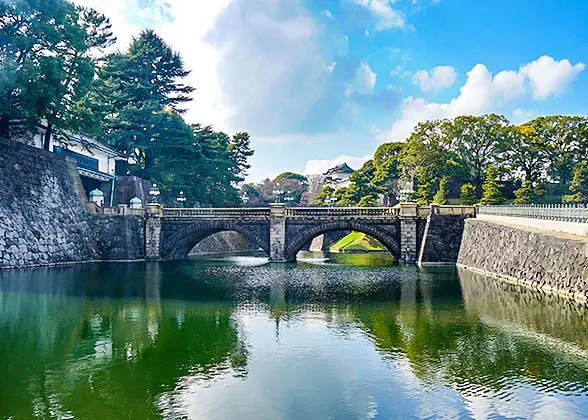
{"x":338,"y":176}
{"x":96,"y":162}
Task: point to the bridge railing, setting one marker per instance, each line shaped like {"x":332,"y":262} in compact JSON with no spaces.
{"x":557,"y":212}
{"x":218,"y":212}
{"x":342,"y":211}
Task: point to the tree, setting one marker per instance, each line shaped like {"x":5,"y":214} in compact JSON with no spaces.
{"x":524,"y":195}
{"x":563,"y":139}
{"x":522,"y":151}
{"x":321,"y":199}
{"x":491,"y":188}
{"x":48,"y":54}
{"x":240,"y":151}
{"x":579,"y":185}
{"x":428,"y":149}
{"x":387,"y":170}
{"x":468,"y":195}
{"x":477,"y":141}
{"x":425,"y":188}
{"x":133,"y":89}
{"x":368,"y":201}
{"x":442,"y":195}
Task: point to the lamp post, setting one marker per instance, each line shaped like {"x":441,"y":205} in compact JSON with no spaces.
{"x":278,"y":193}
{"x":181,"y":199}
{"x":288,"y":199}
{"x":154,"y":193}
{"x":405,"y":194}
{"x":245,"y":198}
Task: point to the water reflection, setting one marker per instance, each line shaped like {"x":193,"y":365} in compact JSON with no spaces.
{"x":226,"y":339}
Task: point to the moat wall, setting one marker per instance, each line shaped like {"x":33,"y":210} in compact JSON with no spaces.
{"x":549,"y":262}
{"x":42,"y":215}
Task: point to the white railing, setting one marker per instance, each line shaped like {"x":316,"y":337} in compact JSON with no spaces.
{"x":342,"y":211}
{"x":557,"y":212}
{"x":220,"y":212}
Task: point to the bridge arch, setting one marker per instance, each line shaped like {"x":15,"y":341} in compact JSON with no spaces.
{"x":181,"y":242}
{"x":295,"y":243}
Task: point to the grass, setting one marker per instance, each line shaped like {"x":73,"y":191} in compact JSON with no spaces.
{"x":357,"y":242}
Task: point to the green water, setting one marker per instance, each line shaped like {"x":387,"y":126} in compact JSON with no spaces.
{"x":243,"y":339}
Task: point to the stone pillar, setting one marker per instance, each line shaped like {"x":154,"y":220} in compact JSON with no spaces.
{"x":153,"y":213}
{"x":277,"y":232}
{"x":408,"y":232}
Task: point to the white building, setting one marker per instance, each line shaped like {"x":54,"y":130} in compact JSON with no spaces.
{"x":96,"y":162}
{"x":338,"y":176}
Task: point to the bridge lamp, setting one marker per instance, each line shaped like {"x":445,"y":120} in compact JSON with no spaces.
{"x":154,"y":193}
{"x":245,"y":198}
{"x":278,"y":194}
{"x":181,"y":199}
{"x":288,"y":199}
{"x":405,"y":194}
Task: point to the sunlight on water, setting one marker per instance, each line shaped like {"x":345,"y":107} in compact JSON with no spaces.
{"x":238,"y":337}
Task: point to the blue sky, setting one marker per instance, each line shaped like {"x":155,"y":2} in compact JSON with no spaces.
{"x":320,"y":82}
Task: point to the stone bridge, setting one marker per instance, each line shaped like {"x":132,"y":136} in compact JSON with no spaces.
{"x":409,"y":232}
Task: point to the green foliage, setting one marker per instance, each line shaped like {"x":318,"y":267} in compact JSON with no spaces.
{"x":491,"y":189}
{"x":291,"y":175}
{"x":326,"y":193}
{"x":425,"y":188}
{"x":442,"y":195}
{"x":47,"y":58}
{"x":368,"y":201}
{"x":477,"y":141}
{"x":579,"y":185}
{"x":468,"y":194}
{"x":525,"y":194}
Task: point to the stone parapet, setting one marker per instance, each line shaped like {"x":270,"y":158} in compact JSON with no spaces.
{"x":549,"y":262}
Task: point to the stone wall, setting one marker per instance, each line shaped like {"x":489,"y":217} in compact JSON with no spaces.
{"x":118,"y":238}
{"x":42,"y":220}
{"x":441,"y":239}
{"x":551,"y":262}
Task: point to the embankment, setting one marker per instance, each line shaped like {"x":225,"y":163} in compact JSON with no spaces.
{"x":551,"y":262}
{"x":42,"y":216}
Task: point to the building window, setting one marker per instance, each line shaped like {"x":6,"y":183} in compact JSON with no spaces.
{"x":84,"y":162}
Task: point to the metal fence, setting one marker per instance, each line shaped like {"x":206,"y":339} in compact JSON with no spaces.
{"x":342,"y":211}
{"x":559,"y":212}
{"x":220,"y":212}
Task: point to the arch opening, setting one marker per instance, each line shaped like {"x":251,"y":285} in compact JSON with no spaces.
{"x":302,"y":239}
{"x":182,"y":242}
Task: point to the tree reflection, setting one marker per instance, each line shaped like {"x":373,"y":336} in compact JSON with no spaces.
{"x":65,"y":356}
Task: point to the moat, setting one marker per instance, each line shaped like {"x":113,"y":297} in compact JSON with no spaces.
{"x":237,"y":337}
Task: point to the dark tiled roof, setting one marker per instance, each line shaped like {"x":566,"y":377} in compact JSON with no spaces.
{"x":344,"y":167}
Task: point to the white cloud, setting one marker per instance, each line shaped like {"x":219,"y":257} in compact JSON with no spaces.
{"x":386,"y":16}
{"x":364,"y":82}
{"x":549,"y":77}
{"x":484,"y":92}
{"x":321,"y":166}
{"x":440,"y":77}
{"x":328,"y":13}
{"x":183,"y":25}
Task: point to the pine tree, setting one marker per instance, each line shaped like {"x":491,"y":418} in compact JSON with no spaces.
{"x":368,"y":201}
{"x":491,"y":188}
{"x":525,"y":194}
{"x":579,"y":185}
{"x":425,"y":189}
{"x":468,"y":195}
{"x":442,"y":195}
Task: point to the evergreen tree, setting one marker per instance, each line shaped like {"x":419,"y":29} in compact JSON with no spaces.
{"x":425,"y":188}
{"x":368,"y":201}
{"x":326,"y":193}
{"x":468,"y":195}
{"x":442,"y":195}
{"x":525,"y":194}
{"x":491,"y":189}
{"x":47,"y":58}
{"x":579,"y":185}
